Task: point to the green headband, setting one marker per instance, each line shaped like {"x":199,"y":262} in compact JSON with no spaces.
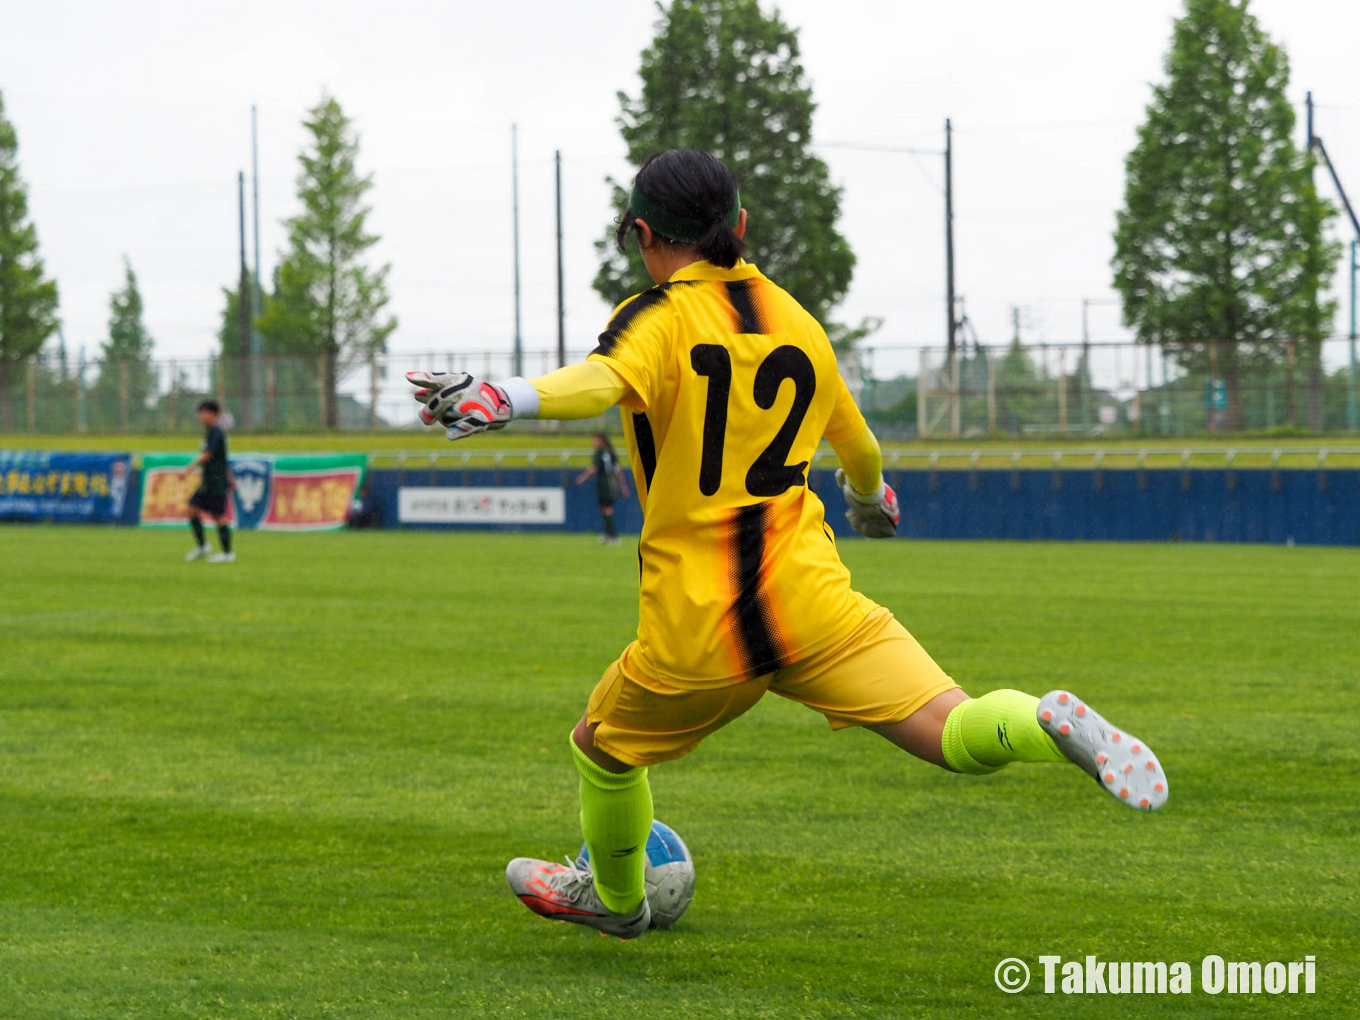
{"x":668,"y":224}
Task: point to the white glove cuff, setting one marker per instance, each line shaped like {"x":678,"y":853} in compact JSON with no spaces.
{"x":871,"y":499}
{"x":522,"y":396}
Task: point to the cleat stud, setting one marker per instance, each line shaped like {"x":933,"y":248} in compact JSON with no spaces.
{"x":1143,"y":803}
{"x":1109,"y":777}
{"x":1100,"y":758}
{"x":1062,"y":698}
{"x":1159,"y":787}
{"x":1046,"y":716}
{"x":1124,"y":791}
{"x":1081,"y":710}
{"x":1064,"y":729}
{"x":1116,"y":737}
{"x":1137,"y":748}
{"x":1128,"y":768}
{"x":1151,"y":766}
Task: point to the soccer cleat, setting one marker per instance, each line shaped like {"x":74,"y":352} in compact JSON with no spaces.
{"x":198,"y":553}
{"x":565,"y":892}
{"x":1120,"y":762}
{"x":222,"y":557}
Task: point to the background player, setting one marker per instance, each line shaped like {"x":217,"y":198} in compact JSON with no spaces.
{"x":727,"y":387}
{"x":609,"y":484}
{"x":214,"y":488}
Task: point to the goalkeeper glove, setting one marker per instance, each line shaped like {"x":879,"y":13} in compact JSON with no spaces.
{"x":461,"y":402}
{"x":873,"y":516}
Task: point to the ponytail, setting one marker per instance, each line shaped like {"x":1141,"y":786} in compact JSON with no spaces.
{"x":720,"y":245}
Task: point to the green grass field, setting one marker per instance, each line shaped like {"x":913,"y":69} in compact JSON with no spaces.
{"x":288,"y":788}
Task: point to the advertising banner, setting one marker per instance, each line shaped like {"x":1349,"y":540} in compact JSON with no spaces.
{"x":166,"y":490}
{"x":287,"y":493}
{"x":313,"y":493}
{"x":250,"y":498}
{"x":418,"y":505}
{"x":86,"y":488}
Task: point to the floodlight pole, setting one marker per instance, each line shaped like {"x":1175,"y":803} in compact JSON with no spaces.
{"x":243,"y":306}
{"x":514,"y":190}
{"x":561,"y":295}
{"x":952,"y":326}
{"x":1352,"y":407}
{"x":257,"y":294}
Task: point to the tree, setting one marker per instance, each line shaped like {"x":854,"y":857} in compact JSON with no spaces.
{"x":327,"y":301}
{"x":1220,"y":248}
{"x":127,"y":378}
{"x":723,"y":76}
{"x":1019,"y":389}
{"x":28,"y":300}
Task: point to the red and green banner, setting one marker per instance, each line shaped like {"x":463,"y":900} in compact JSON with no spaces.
{"x":276,"y":493}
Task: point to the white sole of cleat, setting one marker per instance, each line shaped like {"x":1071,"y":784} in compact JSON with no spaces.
{"x":1121,"y":762}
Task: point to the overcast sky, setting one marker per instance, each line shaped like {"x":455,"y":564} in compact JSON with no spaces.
{"x":133,"y":120}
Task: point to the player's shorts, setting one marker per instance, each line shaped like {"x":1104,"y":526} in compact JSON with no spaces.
{"x":212,"y":504}
{"x":876,"y":676}
{"x":606,"y":503}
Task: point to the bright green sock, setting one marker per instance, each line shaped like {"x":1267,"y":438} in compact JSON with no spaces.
{"x":983,"y":734}
{"x":616,"y":818}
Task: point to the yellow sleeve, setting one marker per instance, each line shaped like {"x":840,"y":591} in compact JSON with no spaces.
{"x":862,"y":461}
{"x":579,"y":391}
{"x":636,"y":345}
{"x":845,"y":422}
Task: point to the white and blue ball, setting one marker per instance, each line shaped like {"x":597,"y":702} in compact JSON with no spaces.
{"x":669,"y":874}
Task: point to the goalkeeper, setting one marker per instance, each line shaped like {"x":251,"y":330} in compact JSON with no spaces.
{"x":727,"y":386}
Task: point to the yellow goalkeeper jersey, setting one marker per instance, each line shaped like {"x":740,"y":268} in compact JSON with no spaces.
{"x":735,"y":385}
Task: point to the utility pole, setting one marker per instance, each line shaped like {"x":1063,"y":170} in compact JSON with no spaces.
{"x":561,"y":294}
{"x":514,"y":189}
{"x":243,"y":301}
{"x":1308,"y":105}
{"x":258,"y":304}
{"x":1085,"y":381}
{"x":951,"y":366}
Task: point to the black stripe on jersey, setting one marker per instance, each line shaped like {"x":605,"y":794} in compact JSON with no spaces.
{"x":646,"y":446}
{"x":747,"y":317}
{"x":752,"y":619}
{"x":629,"y":315}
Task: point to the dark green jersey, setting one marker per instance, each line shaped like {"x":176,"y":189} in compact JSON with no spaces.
{"x":606,"y":473}
{"x":215,"y":468}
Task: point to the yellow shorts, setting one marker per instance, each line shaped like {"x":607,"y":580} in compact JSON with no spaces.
{"x":878,"y":675}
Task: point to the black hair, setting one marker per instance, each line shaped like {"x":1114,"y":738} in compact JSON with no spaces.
{"x":210,"y":405}
{"x":695,"y":186}
{"x":604,"y":438}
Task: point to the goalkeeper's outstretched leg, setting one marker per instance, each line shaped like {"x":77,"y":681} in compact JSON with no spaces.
{"x":982,"y":735}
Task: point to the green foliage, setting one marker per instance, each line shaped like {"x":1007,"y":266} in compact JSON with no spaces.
{"x":1222,"y":236}
{"x":127,"y":378}
{"x":723,"y":76}
{"x":28,"y":299}
{"x":327,"y":300}
{"x":1022,"y":391}
{"x":245,"y":793}
{"x":290,"y":376}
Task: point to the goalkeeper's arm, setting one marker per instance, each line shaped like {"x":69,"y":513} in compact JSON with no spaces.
{"x":579,"y":391}
{"x":862,"y":461}
{"x":871,"y":504}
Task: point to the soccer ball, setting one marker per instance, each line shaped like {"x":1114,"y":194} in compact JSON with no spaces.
{"x":669,"y":875}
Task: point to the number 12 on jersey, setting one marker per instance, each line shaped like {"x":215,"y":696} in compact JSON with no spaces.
{"x":769,"y":475}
